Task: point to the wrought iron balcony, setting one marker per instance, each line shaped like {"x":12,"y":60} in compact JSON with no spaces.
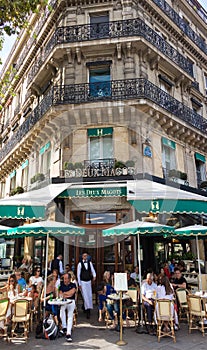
{"x":117,"y":29}
{"x":114,"y":90}
{"x":182,"y":24}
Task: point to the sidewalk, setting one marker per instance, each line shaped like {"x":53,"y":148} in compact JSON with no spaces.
{"x":92,"y":335}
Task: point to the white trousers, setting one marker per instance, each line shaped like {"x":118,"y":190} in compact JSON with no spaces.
{"x":70,"y":309}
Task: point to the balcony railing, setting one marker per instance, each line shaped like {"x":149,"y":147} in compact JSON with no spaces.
{"x":185,"y":27}
{"x":117,"y":29}
{"x":110,"y":91}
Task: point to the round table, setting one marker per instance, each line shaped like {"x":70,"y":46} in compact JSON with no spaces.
{"x":59,"y":302}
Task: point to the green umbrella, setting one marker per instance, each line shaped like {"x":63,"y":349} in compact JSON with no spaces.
{"x":45,"y":228}
{"x":3,"y":231}
{"x":190,"y":232}
{"x":139,"y":228}
{"x":42,"y":228}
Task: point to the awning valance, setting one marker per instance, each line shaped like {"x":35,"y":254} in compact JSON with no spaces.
{"x":30,"y":205}
{"x":97,"y":132}
{"x":148,"y":196}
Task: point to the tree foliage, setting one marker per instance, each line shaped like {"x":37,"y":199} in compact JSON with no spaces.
{"x":14,"y":14}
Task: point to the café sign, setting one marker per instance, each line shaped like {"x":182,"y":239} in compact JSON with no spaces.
{"x":99,"y":172}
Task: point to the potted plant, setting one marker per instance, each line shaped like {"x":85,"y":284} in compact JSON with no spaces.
{"x":119,"y":164}
{"x":130,"y":163}
{"x":39,"y":177}
{"x":203,"y":185}
{"x":17,"y":190}
{"x":177,"y":174}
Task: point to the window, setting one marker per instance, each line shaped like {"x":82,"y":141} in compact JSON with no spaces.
{"x":101,"y":143}
{"x":99,"y":25}
{"x":200,"y":168}
{"x":12,"y":180}
{"x":205,"y":82}
{"x":99,"y":80}
{"x":25,"y":173}
{"x":45,"y":158}
{"x":168,"y":156}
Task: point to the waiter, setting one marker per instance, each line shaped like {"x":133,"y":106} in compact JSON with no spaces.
{"x":85,"y":274}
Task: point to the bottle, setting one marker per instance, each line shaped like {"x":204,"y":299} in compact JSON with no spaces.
{"x":51,"y":296}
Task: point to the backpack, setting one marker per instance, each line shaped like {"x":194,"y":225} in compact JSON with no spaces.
{"x":50,"y":328}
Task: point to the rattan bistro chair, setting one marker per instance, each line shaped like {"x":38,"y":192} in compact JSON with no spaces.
{"x":197,"y":313}
{"x":164,"y":313}
{"x":133,"y":308}
{"x":21,"y":315}
{"x":4,"y":304}
{"x":183,"y":313}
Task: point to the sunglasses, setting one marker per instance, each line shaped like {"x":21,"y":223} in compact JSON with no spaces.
{"x":11,"y":281}
{"x":38,"y":270}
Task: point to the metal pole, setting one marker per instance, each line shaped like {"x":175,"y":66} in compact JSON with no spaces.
{"x":199,"y":265}
{"x":46,"y":264}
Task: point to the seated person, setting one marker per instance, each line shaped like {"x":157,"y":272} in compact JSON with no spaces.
{"x":34,"y":294}
{"x":67,"y":291}
{"x":130,"y":281}
{"x":50,"y":293}
{"x":20,"y":281}
{"x":165,"y":291}
{"x":148,"y":291}
{"x":103,"y":291}
{"x":135,"y":274}
{"x":179,"y":281}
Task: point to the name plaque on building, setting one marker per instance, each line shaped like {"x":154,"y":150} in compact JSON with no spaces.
{"x":94,"y":192}
{"x":99,"y":172}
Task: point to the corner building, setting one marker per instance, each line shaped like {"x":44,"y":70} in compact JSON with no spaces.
{"x":105,"y":92}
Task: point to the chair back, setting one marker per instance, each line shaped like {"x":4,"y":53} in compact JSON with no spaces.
{"x":164,"y":309}
{"x":21,"y":307}
{"x":4,"y":304}
{"x":133,"y":295}
{"x":195,"y":305}
{"x":182,"y":296}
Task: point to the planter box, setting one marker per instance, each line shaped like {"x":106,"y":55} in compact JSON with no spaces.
{"x":179,"y":181}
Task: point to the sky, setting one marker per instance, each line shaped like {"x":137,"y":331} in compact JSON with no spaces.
{"x":9,"y":41}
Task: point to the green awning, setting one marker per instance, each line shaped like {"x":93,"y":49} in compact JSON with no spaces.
{"x":97,"y":132}
{"x":168,"y":143}
{"x":200,"y":157}
{"x":148,"y":196}
{"x":30,"y":205}
{"x":86,"y":192}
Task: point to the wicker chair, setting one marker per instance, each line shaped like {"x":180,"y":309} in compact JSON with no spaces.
{"x":196,"y":313}
{"x":133,"y":308}
{"x":4,"y":304}
{"x":21,"y":315}
{"x":165,"y":314}
{"x":183,"y":313}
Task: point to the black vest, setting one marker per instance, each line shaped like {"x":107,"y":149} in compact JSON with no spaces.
{"x":85,"y":275}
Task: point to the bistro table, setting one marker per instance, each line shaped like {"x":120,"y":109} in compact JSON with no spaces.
{"x":119,"y":297}
{"x":59,"y":302}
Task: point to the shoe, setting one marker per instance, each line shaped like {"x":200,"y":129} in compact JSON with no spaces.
{"x":176,"y":327}
{"x":63,"y":331}
{"x":68,"y":338}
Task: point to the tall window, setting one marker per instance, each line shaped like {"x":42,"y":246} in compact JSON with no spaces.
{"x":168,"y":155}
{"x":100,"y":143}
{"x":99,"y":80}
{"x":99,"y":25}
{"x":45,"y":158}
{"x":200,"y":167}
{"x":25,"y":172}
{"x":205,"y":82}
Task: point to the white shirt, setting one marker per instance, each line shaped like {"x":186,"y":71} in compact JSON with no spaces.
{"x":86,"y":266}
{"x":149,"y":290}
{"x":35,"y":280}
